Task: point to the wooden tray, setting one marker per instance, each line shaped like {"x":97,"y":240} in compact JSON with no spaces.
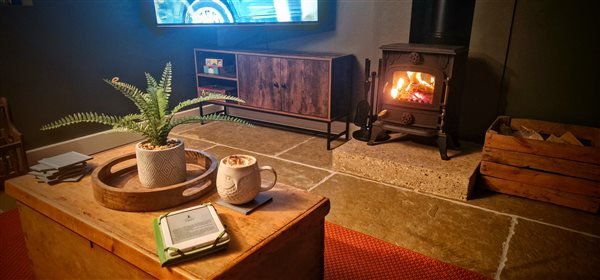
{"x":116,"y":184}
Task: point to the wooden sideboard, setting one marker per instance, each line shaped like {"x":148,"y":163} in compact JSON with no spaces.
{"x":70,"y":235}
{"x":310,"y":86}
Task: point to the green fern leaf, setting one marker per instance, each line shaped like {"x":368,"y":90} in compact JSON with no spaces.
{"x":142,"y":100}
{"x":204,"y":98}
{"x":131,"y":92}
{"x":164,"y":89}
{"x":151,"y":81}
{"x":226,"y":118}
{"x":218,"y":96}
{"x":165,"y":81}
{"x":207,"y":118}
{"x":89,"y":117}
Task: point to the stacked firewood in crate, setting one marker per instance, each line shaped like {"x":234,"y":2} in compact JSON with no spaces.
{"x":551,"y":162}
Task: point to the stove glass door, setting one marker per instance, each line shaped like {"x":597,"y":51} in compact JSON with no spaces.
{"x":410,"y":86}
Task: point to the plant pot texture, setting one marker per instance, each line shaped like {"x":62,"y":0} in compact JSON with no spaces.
{"x":160,"y":168}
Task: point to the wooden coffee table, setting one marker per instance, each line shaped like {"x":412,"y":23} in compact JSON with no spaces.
{"x":70,"y":235}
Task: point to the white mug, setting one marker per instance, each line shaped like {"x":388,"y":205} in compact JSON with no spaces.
{"x":238,"y":179}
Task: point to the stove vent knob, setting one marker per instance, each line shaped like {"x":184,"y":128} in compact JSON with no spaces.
{"x":406,"y":118}
{"x":415,"y":58}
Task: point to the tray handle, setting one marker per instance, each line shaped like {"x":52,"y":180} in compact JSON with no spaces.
{"x":195,"y":190}
{"x":106,"y":171}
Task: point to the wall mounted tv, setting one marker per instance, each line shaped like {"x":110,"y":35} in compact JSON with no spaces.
{"x":237,"y":12}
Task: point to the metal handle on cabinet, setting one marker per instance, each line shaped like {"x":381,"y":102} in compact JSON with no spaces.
{"x":275,"y":84}
{"x":283,"y":85}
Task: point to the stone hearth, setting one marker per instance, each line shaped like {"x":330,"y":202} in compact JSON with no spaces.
{"x":412,"y":165}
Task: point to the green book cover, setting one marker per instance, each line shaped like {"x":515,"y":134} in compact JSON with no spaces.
{"x":160,"y":247}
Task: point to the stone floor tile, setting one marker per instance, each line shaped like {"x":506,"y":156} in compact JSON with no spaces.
{"x":288,"y":173}
{"x":451,"y":232}
{"x":537,"y":210}
{"x":312,"y":152}
{"x":255,"y":138}
{"x":191,"y":143}
{"x":538,"y":251}
{"x":183,"y":127}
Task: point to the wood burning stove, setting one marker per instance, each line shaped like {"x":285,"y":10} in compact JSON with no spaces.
{"x":419,"y":93}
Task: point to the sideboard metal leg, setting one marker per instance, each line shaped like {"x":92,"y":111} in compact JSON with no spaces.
{"x":329,"y":136}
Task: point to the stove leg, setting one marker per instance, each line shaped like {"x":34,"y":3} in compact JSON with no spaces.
{"x":442,"y":141}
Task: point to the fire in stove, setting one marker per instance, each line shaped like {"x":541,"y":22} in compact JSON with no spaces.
{"x":411,"y":86}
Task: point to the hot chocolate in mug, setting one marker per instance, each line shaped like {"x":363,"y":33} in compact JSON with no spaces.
{"x":238,"y":179}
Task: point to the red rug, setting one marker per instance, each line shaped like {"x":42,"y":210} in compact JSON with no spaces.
{"x":14,"y":262}
{"x":354,"y":255}
{"x":348,"y":255}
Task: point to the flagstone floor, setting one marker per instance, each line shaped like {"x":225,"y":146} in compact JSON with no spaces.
{"x":500,"y":236}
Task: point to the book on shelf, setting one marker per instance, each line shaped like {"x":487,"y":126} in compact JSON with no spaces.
{"x":188,"y":234}
{"x":213,"y":62}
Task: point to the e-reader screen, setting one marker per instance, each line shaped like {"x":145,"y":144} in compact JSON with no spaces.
{"x":191,"y":224}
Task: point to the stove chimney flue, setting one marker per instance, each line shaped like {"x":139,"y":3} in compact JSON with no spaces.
{"x":440,"y":14}
{"x":441,"y":22}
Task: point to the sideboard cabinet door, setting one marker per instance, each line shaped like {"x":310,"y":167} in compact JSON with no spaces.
{"x":305,"y":88}
{"x":258,"y":81}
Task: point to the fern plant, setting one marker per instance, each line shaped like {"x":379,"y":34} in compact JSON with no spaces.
{"x":154,"y":120}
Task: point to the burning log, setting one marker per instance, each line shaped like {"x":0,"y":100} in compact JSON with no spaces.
{"x":417,"y":89}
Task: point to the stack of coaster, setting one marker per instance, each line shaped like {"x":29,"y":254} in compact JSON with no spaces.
{"x":67,"y":167}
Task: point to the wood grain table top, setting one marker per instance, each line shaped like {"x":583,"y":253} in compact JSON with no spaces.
{"x":129,"y":235}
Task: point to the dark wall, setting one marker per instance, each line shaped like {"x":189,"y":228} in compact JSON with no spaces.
{"x":553,"y":61}
{"x":532,"y":59}
{"x":55,"y":54}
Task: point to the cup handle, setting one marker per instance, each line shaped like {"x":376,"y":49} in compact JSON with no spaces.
{"x":266,"y":188}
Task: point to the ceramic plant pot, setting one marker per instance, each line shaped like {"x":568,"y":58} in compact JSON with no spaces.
{"x":160,"y":168}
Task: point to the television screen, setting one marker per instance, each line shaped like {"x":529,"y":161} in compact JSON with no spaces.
{"x":214,"y":12}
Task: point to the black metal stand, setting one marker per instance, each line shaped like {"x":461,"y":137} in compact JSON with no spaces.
{"x":330,"y":136}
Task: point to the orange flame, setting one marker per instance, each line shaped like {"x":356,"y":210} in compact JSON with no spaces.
{"x":415,"y":88}
{"x":395,"y":90}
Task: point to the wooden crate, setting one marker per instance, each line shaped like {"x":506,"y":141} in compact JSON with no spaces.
{"x":562,"y":174}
